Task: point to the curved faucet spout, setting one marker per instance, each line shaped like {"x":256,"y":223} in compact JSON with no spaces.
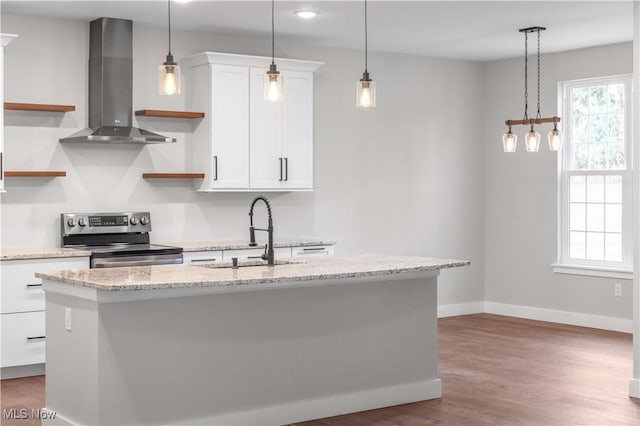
{"x":269,"y":255}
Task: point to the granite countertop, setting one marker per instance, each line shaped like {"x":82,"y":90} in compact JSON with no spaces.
{"x":186,"y":276}
{"x":242,"y":244}
{"x":40,"y":253}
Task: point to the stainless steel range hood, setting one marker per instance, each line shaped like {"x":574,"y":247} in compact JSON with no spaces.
{"x":111,"y":87}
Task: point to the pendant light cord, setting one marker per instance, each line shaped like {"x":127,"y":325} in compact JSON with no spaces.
{"x":366,"y":38}
{"x":538,"y":116}
{"x":526,"y":76}
{"x":169,"y":9}
{"x":273,"y":32}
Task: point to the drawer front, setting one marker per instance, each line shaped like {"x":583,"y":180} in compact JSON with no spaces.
{"x":196,"y":257}
{"x":256,"y":253}
{"x":21,"y":290}
{"x":23,"y":340}
{"x":312,"y":251}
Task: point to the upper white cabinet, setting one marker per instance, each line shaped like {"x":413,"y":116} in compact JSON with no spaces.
{"x":281,"y":133}
{"x":5,"y":39}
{"x":244,"y":142}
{"x":220,"y":144}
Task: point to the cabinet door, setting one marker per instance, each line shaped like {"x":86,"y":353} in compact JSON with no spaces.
{"x":266,"y":162}
{"x":197,"y":257}
{"x":22,"y":339}
{"x":229,"y":126}
{"x":297,"y":130}
{"x":21,"y":291}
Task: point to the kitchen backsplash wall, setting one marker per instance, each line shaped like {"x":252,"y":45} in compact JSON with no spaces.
{"x":404,"y":178}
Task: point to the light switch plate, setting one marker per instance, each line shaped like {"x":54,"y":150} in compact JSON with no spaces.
{"x":67,"y":319}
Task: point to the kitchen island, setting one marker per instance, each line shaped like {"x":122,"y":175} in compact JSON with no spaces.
{"x":257,"y":345}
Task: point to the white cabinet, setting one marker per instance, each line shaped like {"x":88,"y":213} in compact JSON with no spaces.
{"x":22,"y":308}
{"x":23,"y":338}
{"x":196,"y":257}
{"x":220,"y":144}
{"x":244,"y":142}
{"x":312,"y":251}
{"x":281,"y":133}
{"x":5,"y":39}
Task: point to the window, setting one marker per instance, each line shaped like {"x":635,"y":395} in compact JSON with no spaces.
{"x":595,"y":174}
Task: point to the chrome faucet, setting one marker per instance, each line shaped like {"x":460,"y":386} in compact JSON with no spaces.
{"x":269,"y":253}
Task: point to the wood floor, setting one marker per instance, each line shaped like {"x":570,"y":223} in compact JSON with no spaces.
{"x":495,"y":371}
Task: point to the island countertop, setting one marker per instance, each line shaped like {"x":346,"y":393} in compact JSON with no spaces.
{"x":247,"y":277}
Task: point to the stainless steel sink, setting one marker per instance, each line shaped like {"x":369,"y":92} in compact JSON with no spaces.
{"x":247,"y":263}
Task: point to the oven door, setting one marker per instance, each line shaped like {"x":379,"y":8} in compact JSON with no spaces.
{"x":145,"y":260}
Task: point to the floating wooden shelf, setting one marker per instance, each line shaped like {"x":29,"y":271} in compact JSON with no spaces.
{"x":35,"y":173}
{"x":169,"y":114}
{"x":38,"y":107}
{"x":173,"y":175}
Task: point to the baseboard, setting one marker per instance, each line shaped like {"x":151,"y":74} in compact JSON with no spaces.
{"x":456,"y":309}
{"x":21,"y":371}
{"x":334,"y":405}
{"x":561,"y":317}
{"x":634,"y":388}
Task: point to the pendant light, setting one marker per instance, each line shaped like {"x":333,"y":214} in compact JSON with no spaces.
{"x":532,"y":137}
{"x":509,"y":141}
{"x":169,"y":71}
{"x":555,"y":138}
{"x":273,"y":90}
{"x":366,"y":88}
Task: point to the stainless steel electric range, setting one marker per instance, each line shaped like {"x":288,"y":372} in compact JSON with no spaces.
{"x":116,"y":239}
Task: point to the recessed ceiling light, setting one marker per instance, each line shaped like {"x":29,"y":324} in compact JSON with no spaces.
{"x":306,"y":14}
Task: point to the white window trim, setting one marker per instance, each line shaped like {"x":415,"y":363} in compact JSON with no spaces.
{"x":565,"y":265}
{"x":592,"y":271}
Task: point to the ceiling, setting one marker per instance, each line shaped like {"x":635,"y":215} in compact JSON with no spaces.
{"x":475,"y":30}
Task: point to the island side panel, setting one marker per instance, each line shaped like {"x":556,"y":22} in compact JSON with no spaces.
{"x":267,"y":357}
{"x":72,"y":360}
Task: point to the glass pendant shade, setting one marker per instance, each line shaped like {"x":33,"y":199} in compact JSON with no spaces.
{"x":532,"y":141}
{"x":366,"y":93}
{"x":509,"y":141}
{"x":169,"y":79}
{"x":555,"y":140}
{"x":273,"y":87}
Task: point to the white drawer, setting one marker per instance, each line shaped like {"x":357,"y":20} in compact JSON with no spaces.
{"x":202,"y":256}
{"x":256,"y":253}
{"x":22,"y":338}
{"x":312,"y":251}
{"x":21,"y":290}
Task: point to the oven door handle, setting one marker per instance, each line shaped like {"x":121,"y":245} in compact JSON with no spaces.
{"x":116,"y":262}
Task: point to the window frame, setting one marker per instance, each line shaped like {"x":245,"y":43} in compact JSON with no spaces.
{"x":565,"y":264}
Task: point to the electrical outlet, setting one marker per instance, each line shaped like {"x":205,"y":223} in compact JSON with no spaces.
{"x":617,"y":289}
{"x":67,"y":319}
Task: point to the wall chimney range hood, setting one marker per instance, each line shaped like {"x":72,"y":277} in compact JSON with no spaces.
{"x":111,"y":87}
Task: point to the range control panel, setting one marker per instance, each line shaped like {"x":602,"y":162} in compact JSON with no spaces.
{"x":105,"y":223}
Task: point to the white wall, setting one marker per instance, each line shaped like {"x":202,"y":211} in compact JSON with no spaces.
{"x":521,"y":194}
{"x":405,"y":178}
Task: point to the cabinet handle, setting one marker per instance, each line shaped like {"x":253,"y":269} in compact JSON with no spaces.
{"x":280,"y":158}
{"x":34,"y":285}
{"x":32,"y":338}
{"x":313,"y":249}
{"x":286,"y":168}
{"x":1,"y":167}
{"x":213,"y":259}
{"x":215,"y":165}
